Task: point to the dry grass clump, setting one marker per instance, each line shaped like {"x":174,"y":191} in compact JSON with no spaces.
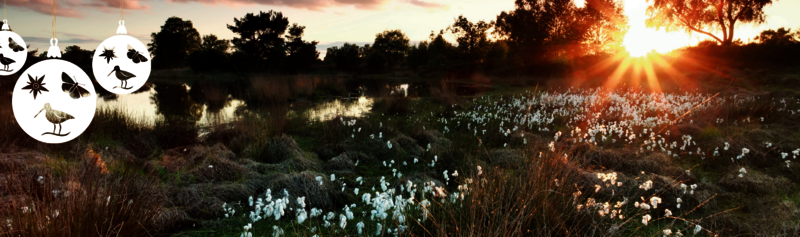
{"x":79,"y":200}
{"x":628,"y":161}
{"x":304,"y":184}
{"x":197,"y":202}
{"x":525,"y":202}
{"x":754,"y":182}
{"x":275,"y":150}
{"x":341,"y":163}
{"x":506,"y":158}
{"x":218,"y":170}
{"x":408,"y":144}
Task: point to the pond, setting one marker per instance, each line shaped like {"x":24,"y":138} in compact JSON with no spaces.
{"x":209,"y":101}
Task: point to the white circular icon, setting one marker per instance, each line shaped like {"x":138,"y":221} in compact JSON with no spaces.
{"x":121,"y":64}
{"x":54,"y":101}
{"x":13,"y":53}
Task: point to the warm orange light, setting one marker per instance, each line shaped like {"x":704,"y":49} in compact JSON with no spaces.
{"x":641,"y":40}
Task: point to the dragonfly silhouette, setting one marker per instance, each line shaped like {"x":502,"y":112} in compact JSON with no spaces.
{"x":72,"y":87}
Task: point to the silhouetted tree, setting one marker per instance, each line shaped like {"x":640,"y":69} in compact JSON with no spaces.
{"x":539,"y":31}
{"x":212,"y":55}
{"x":604,"y":24}
{"x":472,"y":38}
{"x":496,"y":57}
{"x":417,"y":55}
{"x":172,"y":45}
{"x":346,"y":58}
{"x":535,"y":28}
{"x":80,"y":57}
{"x":389,"y":48}
{"x":213,"y":43}
{"x":301,"y":54}
{"x":777,"y":37}
{"x":440,"y":52}
{"x":260,"y":38}
{"x":706,"y":17}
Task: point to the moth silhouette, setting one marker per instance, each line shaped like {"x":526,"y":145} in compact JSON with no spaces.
{"x":14,"y":46}
{"x":72,"y":87}
{"x":136,"y":56}
{"x":108,"y":54}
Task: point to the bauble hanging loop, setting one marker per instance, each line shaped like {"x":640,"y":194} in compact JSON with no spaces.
{"x":5,"y":25}
{"x":54,"y":51}
{"x":121,"y":29}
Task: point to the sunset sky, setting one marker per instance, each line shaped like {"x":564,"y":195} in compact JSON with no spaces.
{"x":331,"y":22}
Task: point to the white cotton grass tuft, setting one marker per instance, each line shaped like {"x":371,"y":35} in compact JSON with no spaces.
{"x":645,"y":219}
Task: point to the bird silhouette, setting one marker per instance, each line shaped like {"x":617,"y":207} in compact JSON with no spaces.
{"x":123,"y":76}
{"x":6,"y":61}
{"x":55,"y":117}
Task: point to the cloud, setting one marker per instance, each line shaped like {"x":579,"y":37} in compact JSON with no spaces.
{"x":43,"y":43}
{"x":428,"y":5}
{"x":316,"y":5}
{"x":74,"y":8}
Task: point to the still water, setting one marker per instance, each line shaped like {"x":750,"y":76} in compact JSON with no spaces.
{"x":142,"y":106}
{"x":207,"y":103}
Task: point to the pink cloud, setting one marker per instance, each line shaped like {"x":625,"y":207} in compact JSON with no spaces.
{"x":428,"y":4}
{"x":74,"y":8}
{"x":315,"y":5}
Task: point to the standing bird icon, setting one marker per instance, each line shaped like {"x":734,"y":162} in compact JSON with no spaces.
{"x":6,"y":61}
{"x":55,"y":117}
{"x":123,"y":76}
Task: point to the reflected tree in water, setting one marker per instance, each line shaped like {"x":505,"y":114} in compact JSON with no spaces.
{"x":175,"y":105}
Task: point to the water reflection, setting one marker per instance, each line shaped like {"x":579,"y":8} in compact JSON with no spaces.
{"x":340,"y":107}
{"x":206,"y":103}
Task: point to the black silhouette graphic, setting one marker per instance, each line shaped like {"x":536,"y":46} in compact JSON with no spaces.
{"x":14,"y":46}
{"x":35,"y":85}
{"x":72,"y":87}
{"x":6,"y":61}
{"x":55,"y":117}
{"x":136,"y":56}
{"x":108,"y":54}
{"x":123,"y":76}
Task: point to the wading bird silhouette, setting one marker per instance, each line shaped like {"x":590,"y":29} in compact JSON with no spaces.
{"x":123,"y":76}
{"x":6,"y":61}
{"x":55,"y":117}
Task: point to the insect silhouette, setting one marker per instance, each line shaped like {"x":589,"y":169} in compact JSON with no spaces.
{"x":108,"y":54}
{"x":72,"y":87}
{"x":136,"y":56}
{"x":14,"y":46}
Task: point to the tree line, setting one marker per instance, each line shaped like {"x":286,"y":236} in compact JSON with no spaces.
{"x":536,"y":37}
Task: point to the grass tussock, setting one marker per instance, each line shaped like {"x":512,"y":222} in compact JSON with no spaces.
{"x":83,"y":199}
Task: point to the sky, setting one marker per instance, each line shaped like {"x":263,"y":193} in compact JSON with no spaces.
{"x":87,"y":23}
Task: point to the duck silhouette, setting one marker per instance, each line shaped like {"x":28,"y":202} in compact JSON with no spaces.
{"x":6,"y":61}
{"x":123,"y":76}
{"x":55,"y":117}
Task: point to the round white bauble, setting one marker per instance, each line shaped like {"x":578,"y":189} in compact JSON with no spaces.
{"x":121,"y":64}
{"x":13,"y":52}
{"x":54,"y":101}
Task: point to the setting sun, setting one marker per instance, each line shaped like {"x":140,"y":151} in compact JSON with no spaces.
{"x":641,"y":40}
